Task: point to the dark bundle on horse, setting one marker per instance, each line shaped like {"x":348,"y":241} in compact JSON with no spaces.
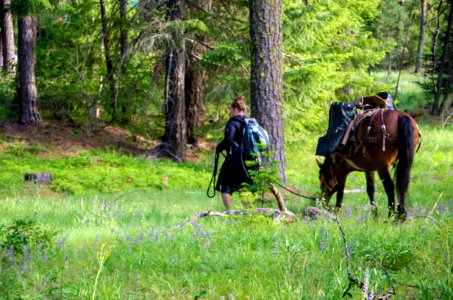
{"x":372,"y":138}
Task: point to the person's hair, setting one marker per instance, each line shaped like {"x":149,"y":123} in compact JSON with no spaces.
{"x":239,"y":104}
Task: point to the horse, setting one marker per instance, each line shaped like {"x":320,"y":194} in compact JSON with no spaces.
{"x":380,"y":138}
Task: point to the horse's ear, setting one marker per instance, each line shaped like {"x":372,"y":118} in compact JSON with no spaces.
{"x":319,"y":163}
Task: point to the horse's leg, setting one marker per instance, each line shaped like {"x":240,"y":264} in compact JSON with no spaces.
{"x":371,"y":191}
{"x":370,"y":186}
{"x":389,"y":188}
{"x":341,"y":182}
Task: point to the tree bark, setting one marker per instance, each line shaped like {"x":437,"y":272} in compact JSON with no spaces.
{"x":7,"y":37}
{"x":435,"y":40}
{"x":124,"y":52}
{"x":436,"y":108}
{"x":266,"y":74}
{"x":195,"y":80}
{"x":447,"y":89}
{"x":1,"y":50}
{"x":124,"y":30}
{"x":27,"y":87}
{"x":421,"y":41}
{"x":175,"y":110}
{"x":108,"y":60}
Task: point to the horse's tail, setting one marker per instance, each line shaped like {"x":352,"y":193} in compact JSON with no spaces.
{"x":406,"y":152}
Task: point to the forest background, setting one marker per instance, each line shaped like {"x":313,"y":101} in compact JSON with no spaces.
{"x":88,"y":93}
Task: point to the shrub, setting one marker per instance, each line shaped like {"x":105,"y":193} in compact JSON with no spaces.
{"x":16,"y":235}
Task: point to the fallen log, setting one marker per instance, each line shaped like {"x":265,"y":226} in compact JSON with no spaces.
{"x":38,"y":177}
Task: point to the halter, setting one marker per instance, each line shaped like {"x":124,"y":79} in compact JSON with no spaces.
{"x":322,"y":179}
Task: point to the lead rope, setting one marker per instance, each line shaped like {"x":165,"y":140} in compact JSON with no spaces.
{"x":214,"y":176}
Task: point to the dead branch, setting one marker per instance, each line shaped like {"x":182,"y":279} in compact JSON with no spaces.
{"x":364,"y":287}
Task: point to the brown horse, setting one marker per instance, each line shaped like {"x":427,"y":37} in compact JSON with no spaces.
{"x":380,"y":138}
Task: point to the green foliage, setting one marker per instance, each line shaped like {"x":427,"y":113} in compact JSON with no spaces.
{"x":23,"y":236}
{"x":262,"y":178}
{"x":7,"y":91}
{"x":410,"y":95}
{"x":27,"y":7}
{"x":93,"y":172}
{"x":397,"y":25}
{"x":328,"y":51}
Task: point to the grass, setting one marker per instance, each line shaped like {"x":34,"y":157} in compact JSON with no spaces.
{"x":117,"y":230}
{"x":133,"y":231}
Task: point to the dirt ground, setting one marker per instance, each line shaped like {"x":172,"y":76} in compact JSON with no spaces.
{"x":66,"y":138}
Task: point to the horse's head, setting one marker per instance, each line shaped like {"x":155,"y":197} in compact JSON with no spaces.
{"x":327,"y":177}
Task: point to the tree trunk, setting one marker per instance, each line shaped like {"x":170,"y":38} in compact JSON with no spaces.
{"x":124,"y":32}
{"x":175,"y":110}
{"x":195,"y":80}
{"x":421,"y":41}
{"x":447,"y":88}
{"x":389,"y":66}
{"x":1,"y":50}
{"x":435,"y":40}
{"x":7,"y":37}
{"x":436,"y":108}
{"x":266,"y":74}
{"x":27,"y":88}
{"x":108,"y":60}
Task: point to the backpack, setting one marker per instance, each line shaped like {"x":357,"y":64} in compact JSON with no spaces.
{"x":255,"y":140}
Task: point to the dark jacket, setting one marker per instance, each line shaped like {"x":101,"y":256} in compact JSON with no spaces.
{"x":233,"y":172}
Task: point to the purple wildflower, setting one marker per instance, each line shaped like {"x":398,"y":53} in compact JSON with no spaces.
{"x":349,"y":212}
{"x":156,"y":237}
{"x":305,"y":218}
{"x":323,"y":245}
{"x":129,"y":249}
{"x":25,"y":250}
{"x":207,"y":245}
{"x":24,"y":266}
{"x":408,"y":215}
{"x":45,"y":258}
{"x":351,"y":247}
{"x":423,"y":229}
{"x":420,"y":211}
{"x":11,"y":252}
{"x":60,"y":241}
{"x":361,"y":220}
{"x":441,"y":208}
{"x":40,"y":246}
{"x":66,"y":259}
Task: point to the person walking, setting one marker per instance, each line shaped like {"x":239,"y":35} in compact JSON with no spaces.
{"x":233,"y":172}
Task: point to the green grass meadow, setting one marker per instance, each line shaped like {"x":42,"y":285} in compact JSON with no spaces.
{"x":113,"y":226}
